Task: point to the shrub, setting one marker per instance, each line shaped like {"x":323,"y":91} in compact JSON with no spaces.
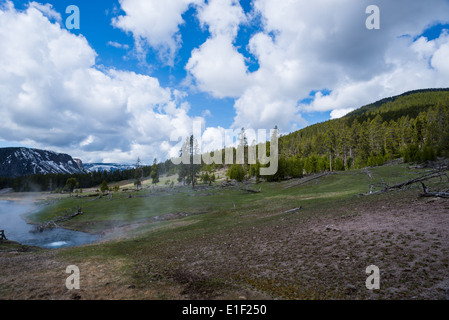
{"x":428,"y":153}
{"x":412,"y":153}
{"x":104,"y":187}
{"x":236,"y":172}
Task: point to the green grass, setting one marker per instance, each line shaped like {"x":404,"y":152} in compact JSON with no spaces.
{"x":218,"y":205}
{"x":215,"y":210}
{"x":154,"y":249}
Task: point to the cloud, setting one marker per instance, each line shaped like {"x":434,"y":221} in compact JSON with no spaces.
{"x":439,"y":59}
{"x":221,"y":17}
{"x":218,"y":68}
{"x":304,"y":46}
{"x":212,"y":139}
{"x":414,"y":65}
{"x":154,"y":23}
{"x":260,"y":108}
{"x":206,"y":113}
{"x":47,"y":10}
{"x":118,"y":45}
{"x":307,"y":46}
{"x":338,"y":113}
{"x":54,"y":96}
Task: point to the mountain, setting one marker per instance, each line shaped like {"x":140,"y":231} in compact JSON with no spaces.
{"x":416,"y":96}
{"x":16,"y":162}
{"x":413,"y":126}
{"x":91,"y":167}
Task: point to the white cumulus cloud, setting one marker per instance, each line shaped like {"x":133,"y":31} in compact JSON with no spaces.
{"x":154,"y":23}
{"x":218,"y":68}
{"x":306,"y":46}
{"x":54,"y":96}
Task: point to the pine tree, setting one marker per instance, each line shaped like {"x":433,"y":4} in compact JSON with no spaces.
{"x":138,"y":174}
{"x":104,"y":186}
{"x":376,"y":134}
{"x":71,"y":184}
{"x":330,"y":142}
{"x":155,"y":172}
{"x":188,"y":172}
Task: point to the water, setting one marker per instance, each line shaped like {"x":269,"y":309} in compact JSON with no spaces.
{"x":17,"y":229}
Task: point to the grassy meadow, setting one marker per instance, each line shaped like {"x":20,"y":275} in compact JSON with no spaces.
{"x":219,"y":242}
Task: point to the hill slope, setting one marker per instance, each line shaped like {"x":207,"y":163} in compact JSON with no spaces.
{"x":91,"y":167}
{"x":16,"y":162}
{"x":418,"y":98}
{"x":414,"y":125}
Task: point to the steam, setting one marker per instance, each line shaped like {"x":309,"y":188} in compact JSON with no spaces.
{"x":17,"y":229}
{"x":11,"y":220}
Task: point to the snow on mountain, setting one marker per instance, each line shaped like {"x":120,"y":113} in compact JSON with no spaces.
{"x":91,"y":167}
{"x":15,"y":162}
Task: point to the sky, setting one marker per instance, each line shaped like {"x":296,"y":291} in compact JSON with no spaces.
{"x":136,"y":75}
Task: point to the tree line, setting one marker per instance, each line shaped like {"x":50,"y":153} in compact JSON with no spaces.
{"x":414,"y":126}
{"x":58,"y":182}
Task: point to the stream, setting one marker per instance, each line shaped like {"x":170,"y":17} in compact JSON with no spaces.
{"x":17,"y":229}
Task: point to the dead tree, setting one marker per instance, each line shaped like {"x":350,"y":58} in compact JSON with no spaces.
{"x":428,"y":193}
{"x":251,"y":190}
{"x":53,"y":223}
{"x":408,"y":182}
{"x":300,"y":182}
{"x":293,"y":210}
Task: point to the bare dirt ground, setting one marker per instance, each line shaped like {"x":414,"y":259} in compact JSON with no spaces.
{"x":326,"y":257}
{"x":318,"y":257}
{"x":43,"y":277}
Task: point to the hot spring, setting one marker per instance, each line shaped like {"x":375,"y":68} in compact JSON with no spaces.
{"x":17,"y":229}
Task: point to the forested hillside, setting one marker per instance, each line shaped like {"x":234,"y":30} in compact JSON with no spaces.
{"x":414,"y":125}
{"x":16,"y":162}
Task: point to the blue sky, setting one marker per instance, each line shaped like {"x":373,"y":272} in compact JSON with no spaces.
{"x":138,"y":72}
{"x":96,"y":26}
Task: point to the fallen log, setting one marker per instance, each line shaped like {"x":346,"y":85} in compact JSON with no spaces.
{"x":438,"y":194}
{"x":307,"y":180}
{"x":416,"y":180}
{"x":52,"y":223}
{"x":368,"y":173}
{"x":435,"y":194}
{"x":293,"y":210}
{"x":252,"y":191}
{"x":406,"y":183}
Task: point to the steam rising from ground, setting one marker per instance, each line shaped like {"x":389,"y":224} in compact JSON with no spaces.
{"x":17,"y":229}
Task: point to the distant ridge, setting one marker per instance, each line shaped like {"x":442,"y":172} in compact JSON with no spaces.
{"x":379,"y":103}
{"x":91,"y":167}
{"x":413,"y":126}
{"x":20,"y":161}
